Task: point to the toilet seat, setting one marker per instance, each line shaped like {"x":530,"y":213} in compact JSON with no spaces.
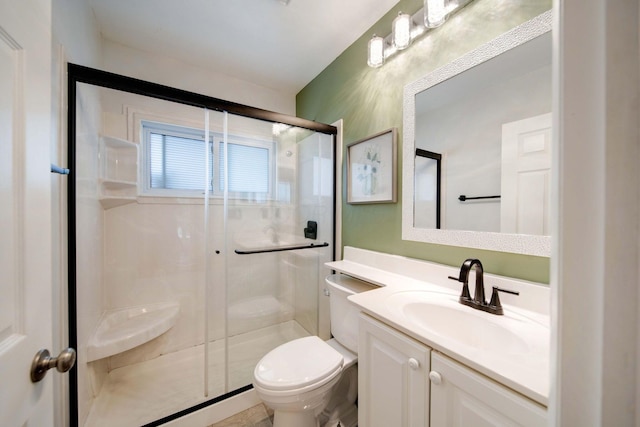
{"x":304,"y":363}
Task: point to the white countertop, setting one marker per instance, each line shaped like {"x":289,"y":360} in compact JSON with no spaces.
{"x":527,"y":374}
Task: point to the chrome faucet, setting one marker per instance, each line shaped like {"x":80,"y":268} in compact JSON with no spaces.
{"x":478,"y":301}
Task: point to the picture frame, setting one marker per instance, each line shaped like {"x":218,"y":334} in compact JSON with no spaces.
{"x":371,"y":169}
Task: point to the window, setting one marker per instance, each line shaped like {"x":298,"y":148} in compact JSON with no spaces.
{"x":174,"y":159}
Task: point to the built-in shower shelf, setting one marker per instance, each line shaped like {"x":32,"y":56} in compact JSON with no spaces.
{"x":109,"y":202}
{"x":118,"y":172}
{"x":125,"y":329}
{"x":113,"y":185}
{"x":117,"y":193}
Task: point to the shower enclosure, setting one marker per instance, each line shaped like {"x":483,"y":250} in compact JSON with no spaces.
{"x":198,"y":233}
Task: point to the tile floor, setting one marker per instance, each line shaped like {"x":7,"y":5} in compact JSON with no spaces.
{"x":257,"y":416}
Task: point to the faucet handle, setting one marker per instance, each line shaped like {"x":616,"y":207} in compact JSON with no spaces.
{"x":466,"y":295}
{"x":496,"y":306}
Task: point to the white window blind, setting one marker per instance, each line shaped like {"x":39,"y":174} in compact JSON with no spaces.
{"x":248,"y":169}
{"x":175,"y":163}
{"x":178,"y":163}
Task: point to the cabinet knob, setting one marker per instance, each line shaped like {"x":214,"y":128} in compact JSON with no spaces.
{"x":435,"y":377}
{"x":414,"y":364}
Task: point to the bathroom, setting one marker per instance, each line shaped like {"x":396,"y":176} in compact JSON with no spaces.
{"x":576,"y":267}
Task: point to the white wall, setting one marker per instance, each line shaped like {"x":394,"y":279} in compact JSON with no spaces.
{"x":75,"y":28}
{"x":594,"y":274}
{"x":168,"y":71}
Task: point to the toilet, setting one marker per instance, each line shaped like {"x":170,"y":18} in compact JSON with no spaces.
{"x":312,"y":383}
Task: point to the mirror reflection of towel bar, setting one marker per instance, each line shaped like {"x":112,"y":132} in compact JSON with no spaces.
{"x":463,"y":198}
{"x":281,"y":249}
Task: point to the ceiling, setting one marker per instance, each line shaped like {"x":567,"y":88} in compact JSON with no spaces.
{"x":266,"y":42}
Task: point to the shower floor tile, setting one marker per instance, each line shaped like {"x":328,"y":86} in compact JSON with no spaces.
{"x":138,"y":394}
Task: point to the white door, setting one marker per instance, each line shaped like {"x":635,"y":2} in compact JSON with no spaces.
{"x":526,"y":169}
{"x":25,"y":209}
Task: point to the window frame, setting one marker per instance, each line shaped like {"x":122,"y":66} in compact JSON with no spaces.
{"x":216,"y":140}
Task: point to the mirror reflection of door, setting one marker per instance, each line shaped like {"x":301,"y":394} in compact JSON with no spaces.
{"x":526,"y":168}
{"x":427,"y":189}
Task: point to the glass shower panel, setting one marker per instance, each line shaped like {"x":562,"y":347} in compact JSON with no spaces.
{"x":143,"y":169}
{"x":277,"y":185}
{"x":316,"y":190}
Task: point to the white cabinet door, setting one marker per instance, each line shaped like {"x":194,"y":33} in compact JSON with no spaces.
{"x":25,"y":209}
{"x":393,"y":370}
{"x":461,"y":397}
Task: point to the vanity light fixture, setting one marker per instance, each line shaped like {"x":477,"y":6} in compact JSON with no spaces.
{"x":407,"y":28}
{"x":376,"y":51}
{"x":402,"y":31}
{"x":434,"y":13}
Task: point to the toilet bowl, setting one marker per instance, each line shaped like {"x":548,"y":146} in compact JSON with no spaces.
{"x":309,"y":382}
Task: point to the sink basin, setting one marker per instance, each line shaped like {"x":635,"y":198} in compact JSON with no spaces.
{"x":442,"y":315}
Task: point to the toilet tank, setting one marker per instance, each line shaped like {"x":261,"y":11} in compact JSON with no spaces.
{"x":343,"y":314}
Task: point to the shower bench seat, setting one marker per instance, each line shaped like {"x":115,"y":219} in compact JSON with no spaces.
{"x":122,"y":330}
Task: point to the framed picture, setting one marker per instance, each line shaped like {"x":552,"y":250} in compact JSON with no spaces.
{"x":371,"y":169}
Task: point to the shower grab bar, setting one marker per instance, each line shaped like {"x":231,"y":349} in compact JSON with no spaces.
{"x":58,"y":169}
{"x":280,"y":249}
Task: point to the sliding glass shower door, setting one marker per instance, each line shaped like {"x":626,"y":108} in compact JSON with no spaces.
{"x":141,"y":175}
{"x":198,"y":239}
{"x":277,"y":184}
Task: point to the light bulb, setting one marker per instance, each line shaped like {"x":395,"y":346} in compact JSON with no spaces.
{"x":434,"y":13}
{"x":375,"y":52}
{"x":402,"y":31}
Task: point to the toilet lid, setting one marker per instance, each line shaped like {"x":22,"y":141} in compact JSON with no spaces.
{"x":296,"y":364}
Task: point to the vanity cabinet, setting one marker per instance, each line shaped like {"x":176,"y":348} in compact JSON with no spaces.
{"x":463,"y":397}
{"x":393,"y":377}
{"x":402,"y":382}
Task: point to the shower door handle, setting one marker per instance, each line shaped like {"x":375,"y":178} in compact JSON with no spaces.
{"x":280,"y":249}
{"x":43,"y":361}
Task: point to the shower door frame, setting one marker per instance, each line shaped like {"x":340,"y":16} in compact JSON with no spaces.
{"x":81,"y":74}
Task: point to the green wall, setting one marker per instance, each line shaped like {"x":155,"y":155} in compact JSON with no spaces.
{"x":370,"y":100}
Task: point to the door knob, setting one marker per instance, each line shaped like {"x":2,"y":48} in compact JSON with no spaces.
{"x":43,"y":361}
